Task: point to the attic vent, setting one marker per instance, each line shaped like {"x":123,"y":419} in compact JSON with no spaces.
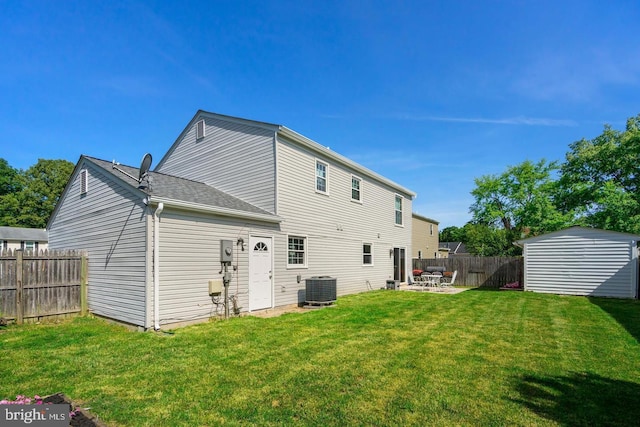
{"x":84,"y":181}
{"x":200,"y":129}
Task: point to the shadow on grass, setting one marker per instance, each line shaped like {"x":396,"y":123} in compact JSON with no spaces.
{"x":625,"y":311}
{"x":581,"y":399}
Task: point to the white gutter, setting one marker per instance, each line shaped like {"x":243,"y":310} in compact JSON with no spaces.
{"x":156,"y":266}
{"x":216,"y":210}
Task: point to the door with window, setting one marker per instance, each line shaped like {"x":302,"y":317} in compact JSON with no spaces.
{"x":399,"y":263}
{"x":260,"y":272}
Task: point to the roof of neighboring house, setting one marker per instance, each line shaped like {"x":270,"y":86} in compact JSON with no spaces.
{"x":298,"y":139}
{"x":576,"y":228}
{"x":424,"y":218}
{"x":455,"y":248}
{"x":24,"y":234}
{"x":185,"y":193}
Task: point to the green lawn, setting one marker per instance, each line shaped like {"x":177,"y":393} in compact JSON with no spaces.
{"x":380,"y":358}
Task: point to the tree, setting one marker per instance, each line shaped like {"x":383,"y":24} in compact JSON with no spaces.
{"x":485,"y":240}
{"x":600,"y":179}
{"x":452,"y":234}
{"x":31,"y":198}
{"x":521,"y":200}
{"x":9,"y":178}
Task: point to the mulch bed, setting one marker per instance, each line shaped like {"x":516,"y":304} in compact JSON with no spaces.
{"x":82,"y":417}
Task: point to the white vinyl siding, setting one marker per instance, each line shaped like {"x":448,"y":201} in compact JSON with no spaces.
{"x":233,"y":156}
{"x":580,"y":261}
{"x":189,"y":258}
{"x":335,"y":227}
{"x":110,"y":224}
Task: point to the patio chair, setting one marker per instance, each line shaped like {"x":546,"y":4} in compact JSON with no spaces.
{"x":444,"y":283}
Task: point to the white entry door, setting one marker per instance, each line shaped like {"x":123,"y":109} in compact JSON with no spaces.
{"x":260,"y":272}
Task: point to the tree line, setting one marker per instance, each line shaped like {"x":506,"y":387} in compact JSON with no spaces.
{"x":28,"y":197}
{"x":597,"y":185}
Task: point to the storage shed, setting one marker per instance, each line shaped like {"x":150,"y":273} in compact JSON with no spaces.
{"x":582,"y":261}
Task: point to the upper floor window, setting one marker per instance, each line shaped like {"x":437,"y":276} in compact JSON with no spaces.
{"x":430,"y":229}
{"x":356,"y":189}
{"x":398,"y":210}
{"x":322,"y":170}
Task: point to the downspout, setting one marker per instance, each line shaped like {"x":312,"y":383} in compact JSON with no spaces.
{"x":156,"y":266}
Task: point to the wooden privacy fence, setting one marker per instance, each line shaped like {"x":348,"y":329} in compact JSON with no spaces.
{"x":486,"y":272}
{"x":51,"y":283}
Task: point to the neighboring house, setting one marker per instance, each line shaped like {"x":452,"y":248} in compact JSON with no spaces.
{"x":424,"y":237}
{"x":28,"y":239}
{"x":452,"y":249}
{"x":292,"y":208}
{"x":582,"y":261}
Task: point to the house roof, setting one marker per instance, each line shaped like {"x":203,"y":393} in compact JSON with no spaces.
{"x":24,"y":234}
{"x":455,"y":248}
{"x":185,"y":193}
{"x":424,"y":218}
{"x":299,"y":140}
{"x":576,"y":228}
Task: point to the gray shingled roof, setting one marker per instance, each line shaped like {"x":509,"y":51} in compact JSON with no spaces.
{"x":180,"y":189}
{"x":24,"y":234}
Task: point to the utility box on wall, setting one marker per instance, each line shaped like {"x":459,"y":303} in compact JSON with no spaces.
{"x":215,"y":286}
{"x":226,"y":251}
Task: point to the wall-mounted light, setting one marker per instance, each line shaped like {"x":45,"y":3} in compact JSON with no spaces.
{"x":240,"y":242}
{"x":391,"y":252}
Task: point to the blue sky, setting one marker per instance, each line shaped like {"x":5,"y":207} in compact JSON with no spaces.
{"x":429,"y":94}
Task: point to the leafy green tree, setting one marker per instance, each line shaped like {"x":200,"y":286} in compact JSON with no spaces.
{"x":452,"y":234}
{"x":486,"y":240}
{"x":32,"y":196}
{"x":9,"y":178}
{"x":600,"y":179}
{"x":521,"y":200}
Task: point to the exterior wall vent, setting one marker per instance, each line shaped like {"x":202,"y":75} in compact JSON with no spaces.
{"x":84,"y":181}
{"x":200,"y":132}
{"x":320,"y":290}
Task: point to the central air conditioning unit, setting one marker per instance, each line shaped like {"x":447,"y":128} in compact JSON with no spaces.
{"x":320,"y":290}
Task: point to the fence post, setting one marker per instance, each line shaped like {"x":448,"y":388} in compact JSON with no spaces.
{"x":83,"y":284}
{"x":19,"y":288}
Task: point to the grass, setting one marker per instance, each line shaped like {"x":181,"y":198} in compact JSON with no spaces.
{"x":380,"y":358}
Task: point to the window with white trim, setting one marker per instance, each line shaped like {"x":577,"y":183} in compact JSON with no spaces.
{"x":322,"y":172}
{"x":367,"y":254}
{"x":356,"y":189}
{"x":296,"y":251}
{"x":398,"y":209}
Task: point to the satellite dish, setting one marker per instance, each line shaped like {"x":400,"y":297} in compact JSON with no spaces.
{"x":144,"y":166}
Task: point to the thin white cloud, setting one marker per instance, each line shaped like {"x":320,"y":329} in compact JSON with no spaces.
{"x":521,"y":120}
{"x":579,"y":76}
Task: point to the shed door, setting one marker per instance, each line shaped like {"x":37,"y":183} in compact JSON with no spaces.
{"x":260,"y":272}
